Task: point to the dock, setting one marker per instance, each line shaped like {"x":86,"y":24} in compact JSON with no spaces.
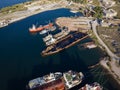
{"x":64,"y":43}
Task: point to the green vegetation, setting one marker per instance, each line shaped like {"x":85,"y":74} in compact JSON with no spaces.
{"x":96,"y":2}
{"x":94,"y":38}
{"x":117,"y":1}
{"x":10,"y":9}
{"x":79,"y":1}
{"x":98,"y":12}
{"x":68,"y":77}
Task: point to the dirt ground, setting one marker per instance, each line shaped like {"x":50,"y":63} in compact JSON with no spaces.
{"x":73,"y":24}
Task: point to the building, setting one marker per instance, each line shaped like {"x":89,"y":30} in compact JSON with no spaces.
{"x":107,"y":3}
{"x":110,"y":13}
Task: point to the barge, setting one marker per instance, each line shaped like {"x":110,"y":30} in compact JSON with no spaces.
{"x":63,"y":43}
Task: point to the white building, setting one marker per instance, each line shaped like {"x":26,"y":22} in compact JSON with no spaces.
{"x":108,"y":3}
{"x":110,"y":13}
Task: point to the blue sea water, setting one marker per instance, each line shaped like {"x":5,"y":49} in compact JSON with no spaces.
{"x":5,"y":3}
{"x":20,"y":59}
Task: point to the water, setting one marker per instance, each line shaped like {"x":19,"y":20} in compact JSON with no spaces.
{"x":20,"y":59}
{"x":5,"y":3}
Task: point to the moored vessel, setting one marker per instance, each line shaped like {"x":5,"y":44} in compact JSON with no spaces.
{"x":93,"y":86}
{"x":64,"y":42}
{"x":35,"y":29}
{"x":40,"y":81}
{"x":56,"y":81}
{"x":44,"y":31}
{"x":52,"y":39}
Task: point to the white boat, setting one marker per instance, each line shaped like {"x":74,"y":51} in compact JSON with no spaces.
{"x":44,"y":31}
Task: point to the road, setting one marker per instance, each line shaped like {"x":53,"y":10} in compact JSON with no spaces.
{"x":110,"y":53}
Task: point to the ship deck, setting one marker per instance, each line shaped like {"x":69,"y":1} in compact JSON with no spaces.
{"x":55,"y":85}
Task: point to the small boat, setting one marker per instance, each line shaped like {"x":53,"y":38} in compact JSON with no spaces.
{"x":44,"y":31}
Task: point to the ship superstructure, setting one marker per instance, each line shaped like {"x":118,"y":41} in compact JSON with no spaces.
{"x":72,"y":78}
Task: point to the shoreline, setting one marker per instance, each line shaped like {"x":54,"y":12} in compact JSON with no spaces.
{"x":112,"y":68}
{"x":113,"y":75}
{"x":9,"y":18}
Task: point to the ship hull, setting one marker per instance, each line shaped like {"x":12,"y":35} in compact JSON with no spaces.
{"x":35,"y":31}
{"x":39,"y":29}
